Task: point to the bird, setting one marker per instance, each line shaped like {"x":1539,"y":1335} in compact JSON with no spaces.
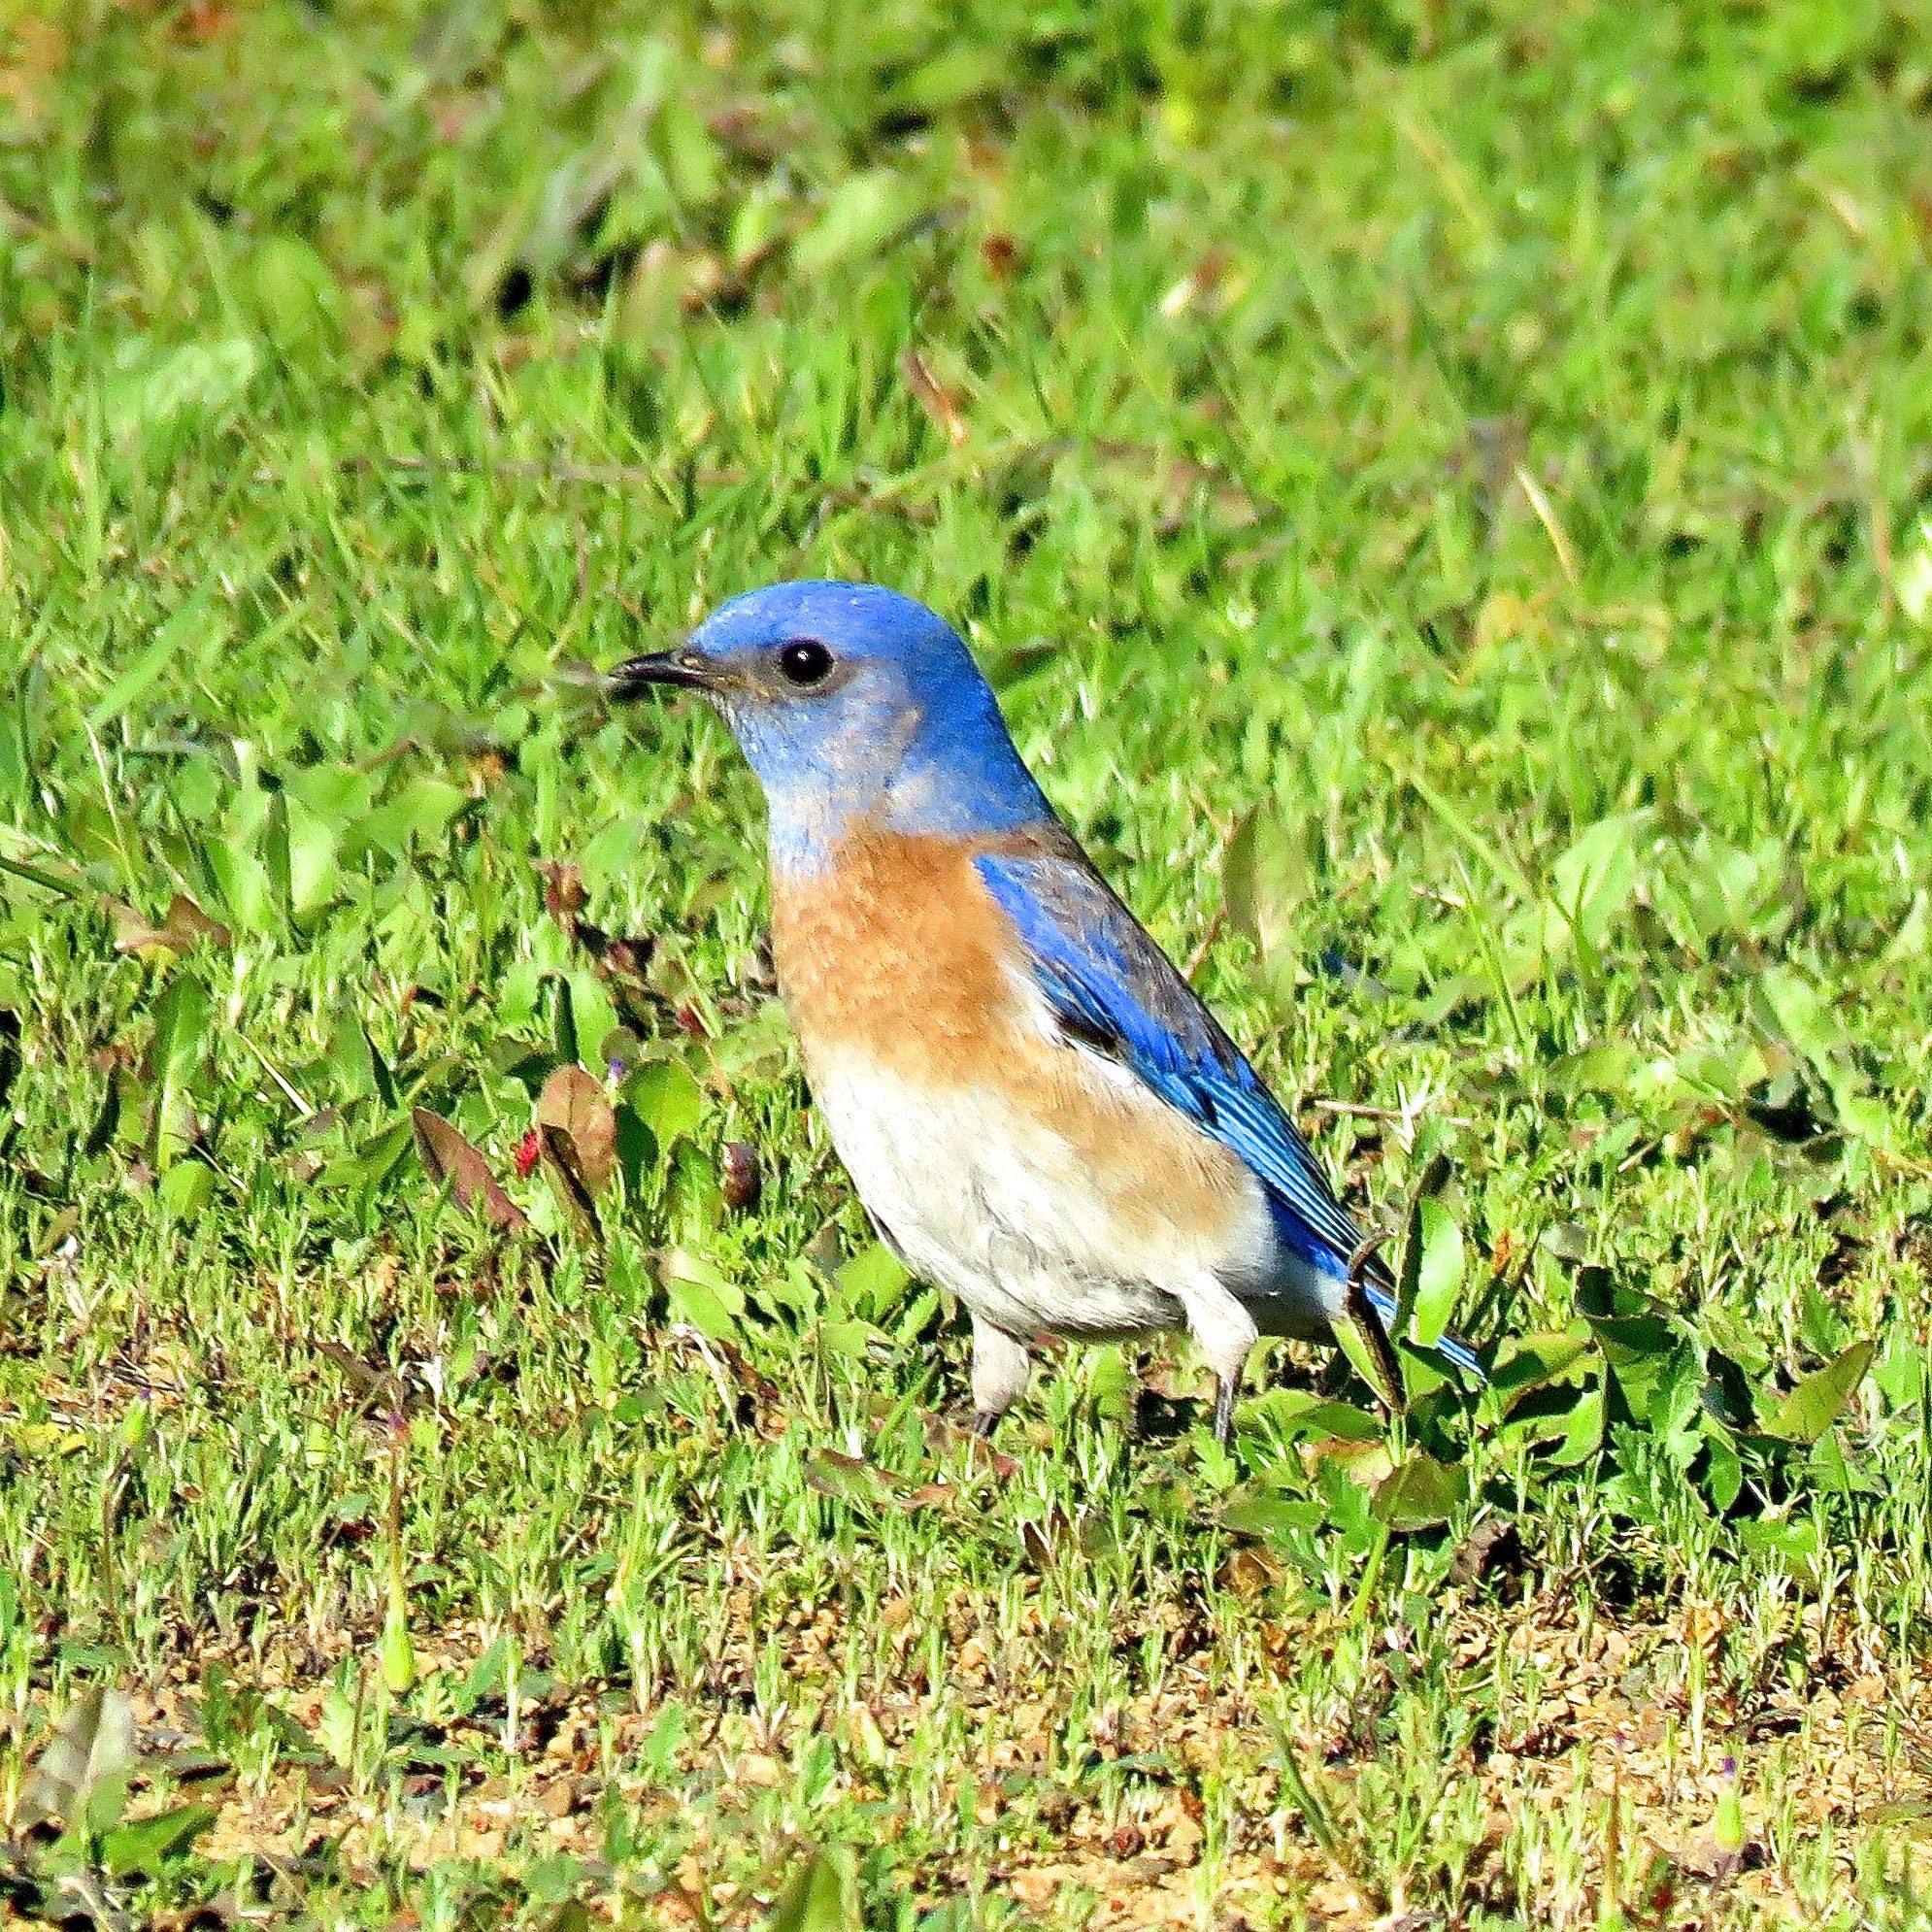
{"x":1038,"y":1112}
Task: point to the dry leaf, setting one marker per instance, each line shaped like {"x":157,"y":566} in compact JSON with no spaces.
{"x":185,"y":923}
{"x":1001,"y":255}
{"x":448,"y":1156}
{"x":738,"y":1176}
{"x":573,"y":1107}
{"x":563,"y":890}
{"x":933,"y":396}
{"x":559,"y":1155}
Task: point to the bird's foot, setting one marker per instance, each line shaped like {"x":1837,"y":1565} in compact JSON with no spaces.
{"x":985,"y":1422}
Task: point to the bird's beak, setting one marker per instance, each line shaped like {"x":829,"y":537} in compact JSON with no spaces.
{"x":682,"y":666}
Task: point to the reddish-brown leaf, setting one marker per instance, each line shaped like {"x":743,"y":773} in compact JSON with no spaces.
{"x":1001,"y":255}
{"x":573,"y":1104}
{"x":201,"y":23}
{"x":738,"y":1176}
{"x":448,"y":1156}
{"x":563,"y":890}
{"x":932,"y":1496}
{"x":187,"y":919}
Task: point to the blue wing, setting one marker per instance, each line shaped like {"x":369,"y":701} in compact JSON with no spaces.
{"x":1114,"y":989}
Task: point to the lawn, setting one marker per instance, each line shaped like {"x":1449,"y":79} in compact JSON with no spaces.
{"x":1443,"y":492}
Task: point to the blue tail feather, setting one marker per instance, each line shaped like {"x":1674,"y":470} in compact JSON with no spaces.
{"x":1450,"y":1347}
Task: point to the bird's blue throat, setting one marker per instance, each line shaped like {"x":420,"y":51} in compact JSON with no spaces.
{"x":944,"y":769}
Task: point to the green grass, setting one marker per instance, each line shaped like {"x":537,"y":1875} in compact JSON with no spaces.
{"x":1441,"y":490}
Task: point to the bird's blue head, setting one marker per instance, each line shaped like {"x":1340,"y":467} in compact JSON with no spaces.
{"x":852,"y":701}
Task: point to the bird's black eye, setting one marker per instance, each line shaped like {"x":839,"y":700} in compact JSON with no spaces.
{"x":805,"y":662}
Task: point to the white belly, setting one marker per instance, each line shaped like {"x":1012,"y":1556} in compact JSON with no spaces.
{"x":1007,"y":1215}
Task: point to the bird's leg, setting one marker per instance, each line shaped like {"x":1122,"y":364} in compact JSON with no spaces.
{"x":1224,"y":1332}
{"x":1000,"y":1368}
{"x":1226,"y":1388}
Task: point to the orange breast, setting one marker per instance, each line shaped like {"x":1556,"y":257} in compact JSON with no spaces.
{"x":897,"y":953}
{"x":895,"y":949}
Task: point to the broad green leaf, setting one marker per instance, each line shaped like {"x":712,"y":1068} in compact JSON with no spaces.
{"x":314,"y":859}
{"x":1805,"y":1016}
{"x":1802,"y":1015}
{"x":1603,"y":1067}
{"x":337,"y":1725}
{"x":917,"y":1316}
{"x":1795,"y":1541}
{"x":417,"y":813}
{"x":1712,"y":886}
{"x":352,"y":1061}
{"x":1420,"y":1492}
{"x":180,"y":1018}
{"x":142,"y":1845}
{"x":1912,"y":577}
{"x":820,"y":1896}
{"x":1301,"y":1414}
{"x":186,"y":1189}
{"x":874,"y":1282}
{"x":243,"y":881}
{"x":1565,"y":1417}
{"x":1900,"y":1372}
{"x":860,"y":215}
{"x":149,"y":386}
{"x":1439,"y":1276}
{"x":959,"y":72}
{"x":1111,"y":1385}
{"x":701,"y":1294}
{"x":1255,"y":1511}
{"x":669,"y":1101}
{"x":847,"y":1341}
{"x":372,"y":1161}
{"x":1583,"y":1432}
{"x":1527,"y":1363}
{"x":1644,"y":1352}
{"x":294,"y":291}
{"x":197,"y":618}
{"x":92,"y":1755}
{"x":1593,"y":880}
{"x":1724,"y":1474}
{"x":1805,"y":1413}
{"x":1265,"y":880}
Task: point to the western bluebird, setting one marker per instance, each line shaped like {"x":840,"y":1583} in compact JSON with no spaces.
{"x":1038,"y":1112}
